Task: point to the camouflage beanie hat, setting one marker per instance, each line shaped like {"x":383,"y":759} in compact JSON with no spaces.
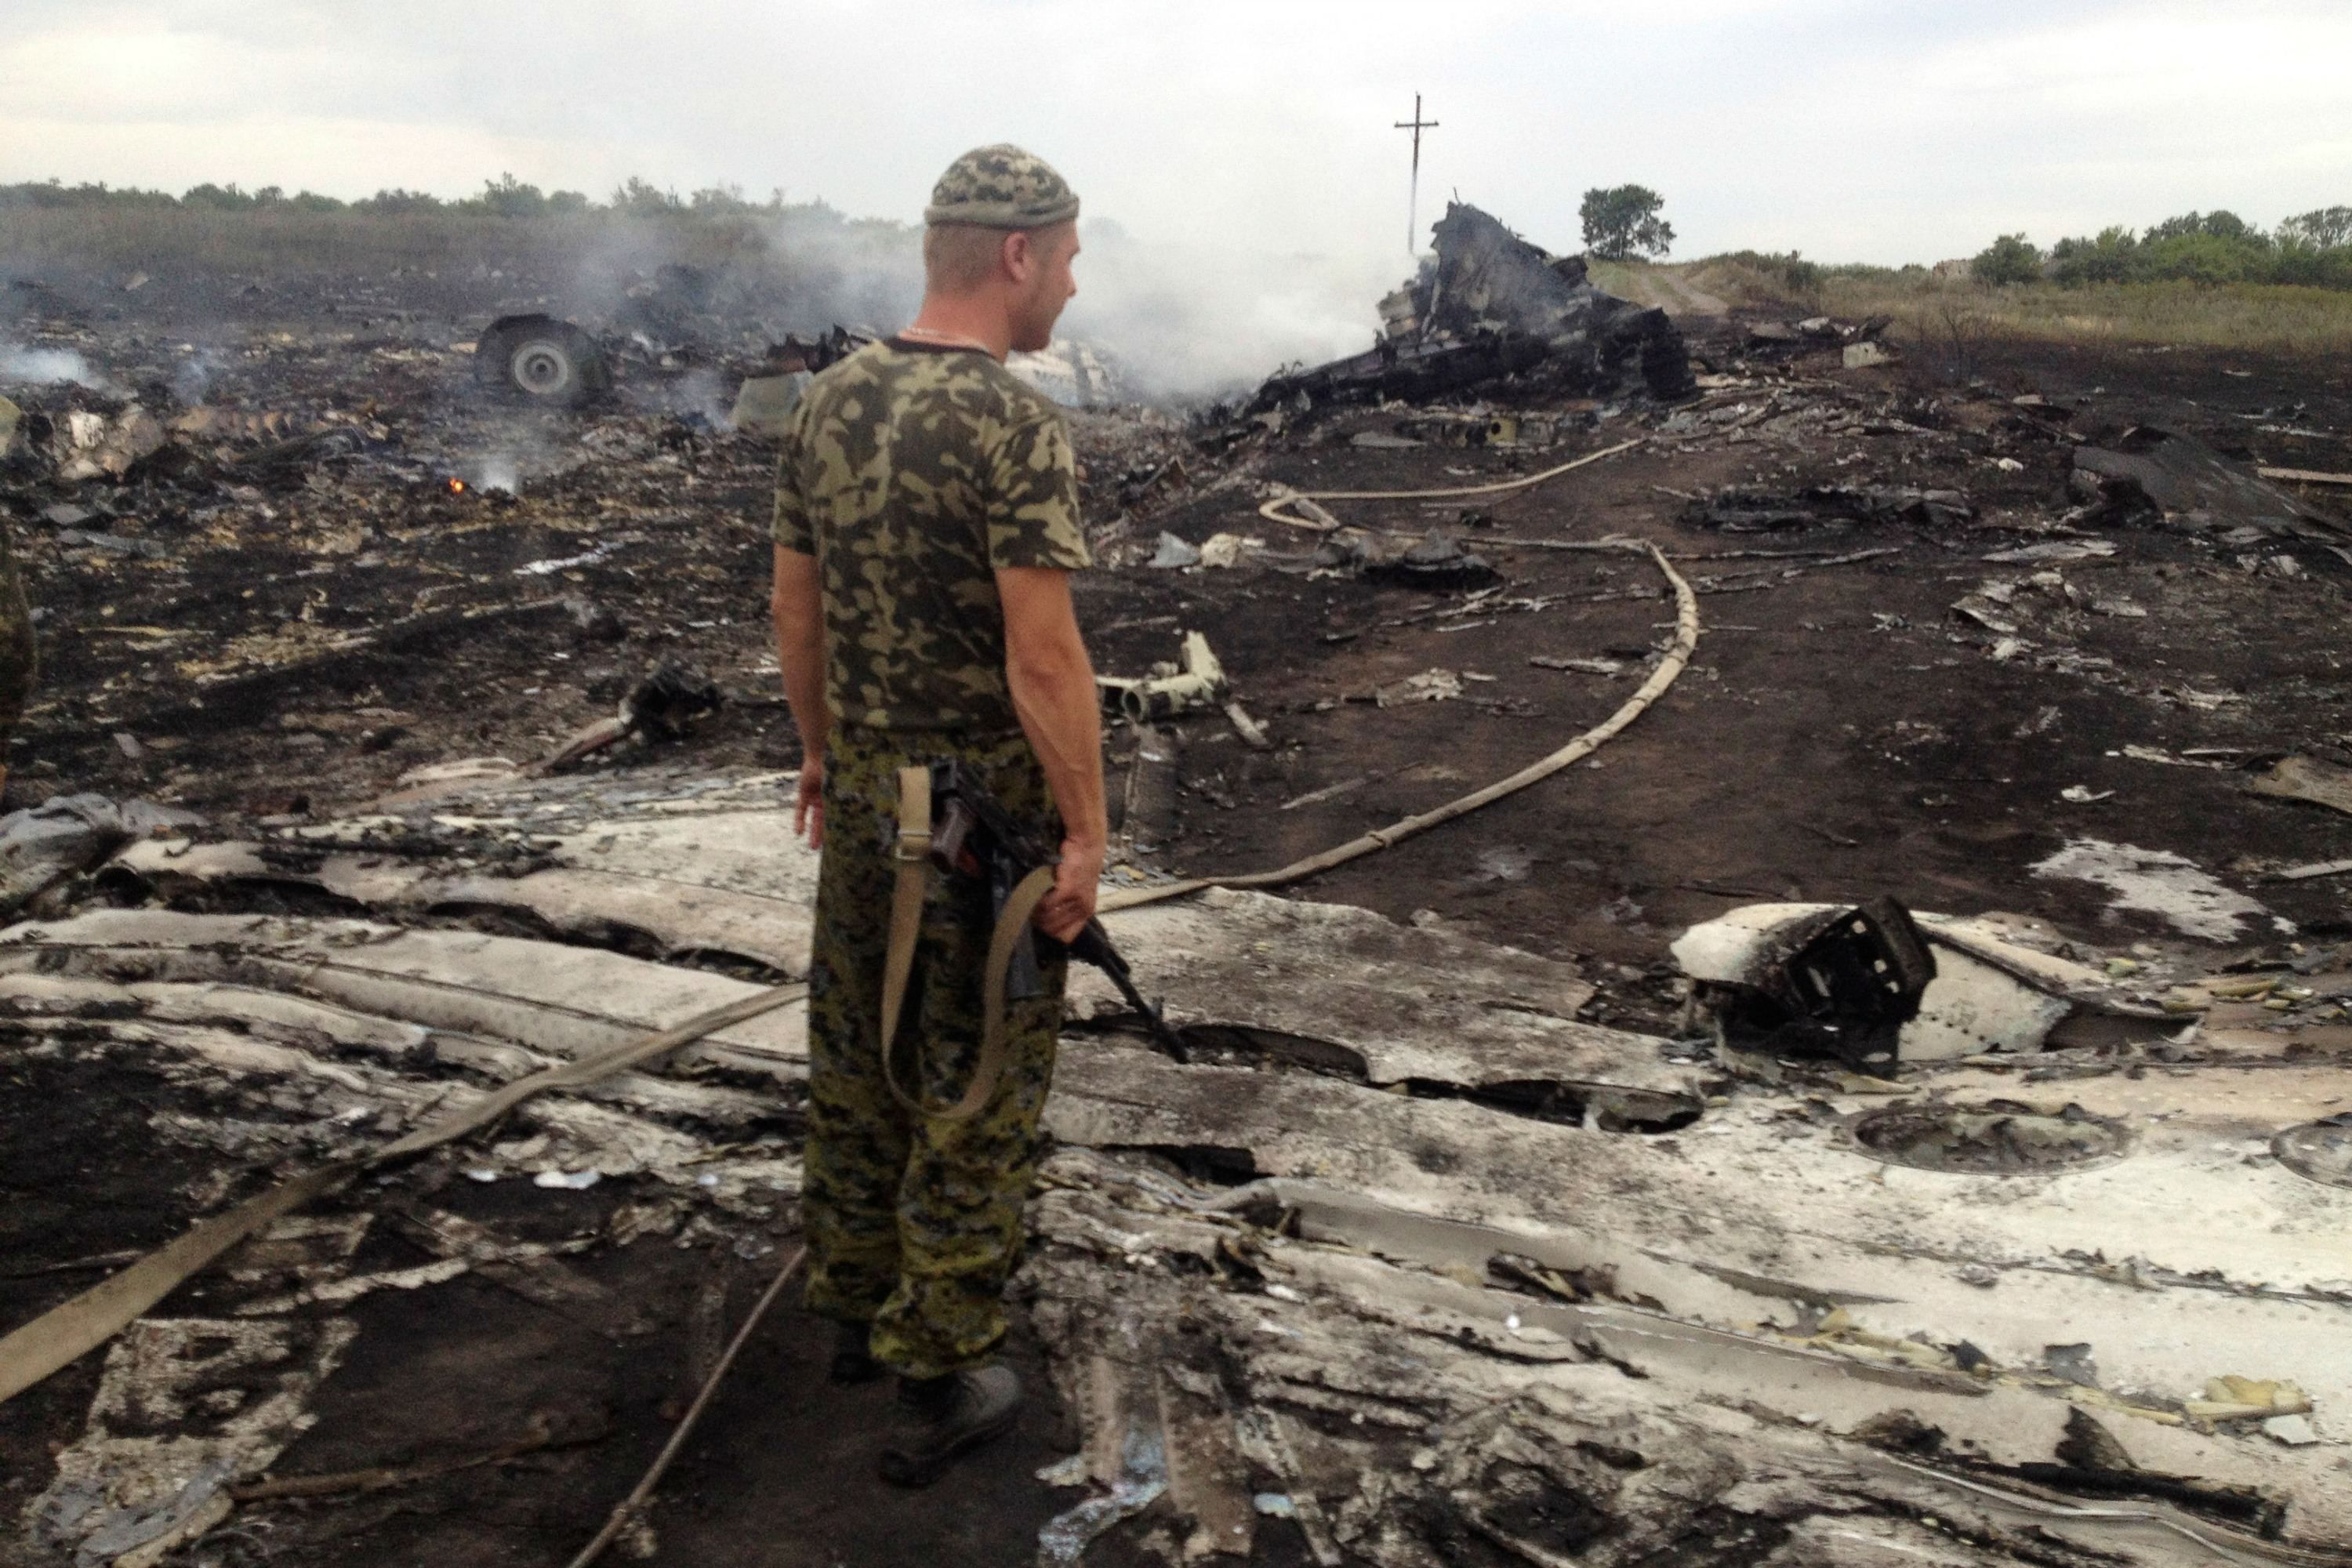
{"x":1001,"y":187}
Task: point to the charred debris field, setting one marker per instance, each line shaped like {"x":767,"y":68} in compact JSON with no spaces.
{"x":1523,"y":1199}
{"x":332,"y":558}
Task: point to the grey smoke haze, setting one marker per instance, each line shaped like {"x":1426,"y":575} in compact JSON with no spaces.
{"x":48,"y":367}
{"x":1187,"y":320}
{"x":1178,"y":320}
{"x":1192,"y":320}
{"x":192,"y":378}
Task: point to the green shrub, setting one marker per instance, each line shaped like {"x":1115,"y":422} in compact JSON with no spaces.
{"x":2011,"y":259}
{"x":1791,"y":272}
{"x":2201,"y":256}
{"x":2111,"y":258}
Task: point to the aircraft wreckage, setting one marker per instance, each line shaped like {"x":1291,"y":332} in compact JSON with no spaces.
{"x":1406,"y":1257}
{"x":1492,"y":311}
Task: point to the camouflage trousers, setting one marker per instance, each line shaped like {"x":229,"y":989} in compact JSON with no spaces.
{"x":913,"y":1223}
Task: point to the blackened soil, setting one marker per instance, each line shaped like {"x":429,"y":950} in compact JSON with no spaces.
{"x":1839,"y":733}
{"x":779,"y":1474}
{"x":85,"y":1178}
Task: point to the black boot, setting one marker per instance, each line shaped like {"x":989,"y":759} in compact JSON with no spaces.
{"x":853,"y":1361}
{"x":940,"y":1417}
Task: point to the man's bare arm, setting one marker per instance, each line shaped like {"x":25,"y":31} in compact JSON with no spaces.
{"x":797,"y":605}
{"x":1053,"y":693}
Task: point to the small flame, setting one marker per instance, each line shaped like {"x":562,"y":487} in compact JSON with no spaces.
{"x":455,"y":486}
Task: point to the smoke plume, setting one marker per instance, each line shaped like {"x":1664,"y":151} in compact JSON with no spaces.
{"x":48,"y":367}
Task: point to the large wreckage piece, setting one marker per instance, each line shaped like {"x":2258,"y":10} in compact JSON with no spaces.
{"x":2195,"y":488}
{"x":546,"y":360}
{"x":1760,"y":972}
{"x":1418,"y":1415}
{"x":1495,"y":314}
{"x":719,"y":881}
{"x":1428,"y":1310}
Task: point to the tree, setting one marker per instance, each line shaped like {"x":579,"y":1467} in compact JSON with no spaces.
{"x":2011,"y":259}
{"x":643,"y":198}
{"x":713,"y":201}
{"x":394,"y":202}
{"x":1625,"y":219}
{"x":2323,"y":228}
{"x":2113,"y":257}
{"x":2217,"y":224}
{"x":227,"y":198}
{"x":2199,"y":257}
{"x":54,"y":193}
{"x":507,"y":197}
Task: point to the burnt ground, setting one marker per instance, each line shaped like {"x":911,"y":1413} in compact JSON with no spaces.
{"x":1836,"y":736}
{"x":264,"y":632}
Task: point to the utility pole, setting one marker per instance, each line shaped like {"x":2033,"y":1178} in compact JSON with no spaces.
{"x":1412,"y":209}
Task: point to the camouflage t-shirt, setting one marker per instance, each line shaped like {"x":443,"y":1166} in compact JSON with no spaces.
{"x":912,"y":474}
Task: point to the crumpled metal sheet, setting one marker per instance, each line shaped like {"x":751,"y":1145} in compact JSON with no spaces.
{"x":1439,"y":1324}
{"x":42,"y":845}
{"x":1990,"y":993}
{"x":2191,"y":482}
{"x":1415,"y":1408}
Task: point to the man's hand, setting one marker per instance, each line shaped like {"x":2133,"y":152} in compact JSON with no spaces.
{"x":808,"y":803}
{"x":1053,"y":693}
{"x":1064,"y":912}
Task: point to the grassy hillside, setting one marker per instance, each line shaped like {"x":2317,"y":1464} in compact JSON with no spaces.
{"x":1927,"y":308}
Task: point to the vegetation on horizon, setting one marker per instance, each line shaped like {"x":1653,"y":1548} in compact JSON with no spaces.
{"x":504,"y":197}
{"x":509,"y":226}
{"x":2203,"y":279}
{"x":2207,"y":278}
{"x":2312,"y":248}
{"x":1934,"y":310}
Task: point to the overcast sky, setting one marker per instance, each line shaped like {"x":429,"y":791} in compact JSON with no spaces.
{"x":1882,"y":131}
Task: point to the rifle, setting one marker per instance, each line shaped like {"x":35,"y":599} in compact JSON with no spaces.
{"x":948,"y":819}
{"x":973,"y":834}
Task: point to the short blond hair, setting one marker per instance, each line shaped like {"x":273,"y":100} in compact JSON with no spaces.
{"x":959,"y":257}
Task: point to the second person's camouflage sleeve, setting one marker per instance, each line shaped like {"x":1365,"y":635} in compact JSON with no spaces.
{"x":1033,"y":498}
{"x":793,"y":527}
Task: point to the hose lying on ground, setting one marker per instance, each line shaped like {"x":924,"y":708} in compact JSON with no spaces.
{"x":1271,"y":510}
{"x":67,"y":1333}
{"x":1676,"y":655}
{"x":632,"y":1507}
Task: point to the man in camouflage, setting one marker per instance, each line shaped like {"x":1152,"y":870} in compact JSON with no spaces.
{"x":926,"y":526}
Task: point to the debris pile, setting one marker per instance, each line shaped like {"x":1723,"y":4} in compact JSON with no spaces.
{"x":1406,"y":1257}
{"x":1492,"y":315}
{"x":2188,"y":485}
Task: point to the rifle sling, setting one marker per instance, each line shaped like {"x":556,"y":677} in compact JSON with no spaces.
{"x":914,"y":857}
